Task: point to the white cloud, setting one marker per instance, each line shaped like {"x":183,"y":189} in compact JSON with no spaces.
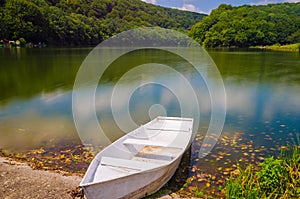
{"x":190,"y":7}
{"x":265,"y":2}
{"x":150,"y":1}
{"x":292,"y":1}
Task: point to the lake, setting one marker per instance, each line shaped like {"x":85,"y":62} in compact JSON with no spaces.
{"x":262,"y":89}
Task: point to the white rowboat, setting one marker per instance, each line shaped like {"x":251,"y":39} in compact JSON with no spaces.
{"x":140,"y":162}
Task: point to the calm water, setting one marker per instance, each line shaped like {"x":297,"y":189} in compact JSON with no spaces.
{"x":263,"y":95}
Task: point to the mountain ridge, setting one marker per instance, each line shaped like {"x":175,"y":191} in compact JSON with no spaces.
{"x":85,"y":22}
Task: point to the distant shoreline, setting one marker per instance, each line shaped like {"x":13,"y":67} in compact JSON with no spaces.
{"x":275,"y":47}
{"x":278,"y":47}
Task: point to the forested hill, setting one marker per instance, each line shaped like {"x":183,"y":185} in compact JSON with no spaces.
{"x":249,"y":25}
{"x":84,"y":22}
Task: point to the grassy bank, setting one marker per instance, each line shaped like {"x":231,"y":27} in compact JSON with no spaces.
{"x":273,"y":178}
{"x":278,"y":47}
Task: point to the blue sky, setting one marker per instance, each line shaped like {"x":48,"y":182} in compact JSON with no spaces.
{"x":205,"y":6}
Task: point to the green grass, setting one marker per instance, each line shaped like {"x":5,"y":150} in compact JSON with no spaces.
{"x":274,"y":178}
{"x":278,"y":47}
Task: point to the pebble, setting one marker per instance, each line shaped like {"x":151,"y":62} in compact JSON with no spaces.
{"x":166,"y":197}
{"x":175,"y":195}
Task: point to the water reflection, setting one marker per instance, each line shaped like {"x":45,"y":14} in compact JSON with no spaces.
{"x":25,"y":73}
{"x":134,"y":100}
{"x":262,"y":96}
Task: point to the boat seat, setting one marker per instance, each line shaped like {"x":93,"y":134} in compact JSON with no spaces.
{"x":169,"y":129}
{"x":151,"y":143}
{"x":138,"y":157}
{"x":125,"y":163}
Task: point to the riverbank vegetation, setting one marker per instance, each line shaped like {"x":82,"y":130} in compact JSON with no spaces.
{"x":275,"y":178}
{"x":247,"y":25}
{"x":278,"y":47}
{"x":84,"y":22}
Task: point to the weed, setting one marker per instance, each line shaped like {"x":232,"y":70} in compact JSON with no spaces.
{"x":198,"y":193}
{"x":276,"y":178}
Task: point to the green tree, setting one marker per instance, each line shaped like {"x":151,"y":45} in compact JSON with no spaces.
{"x":84,"y":22}
{"x":23,"y":19}
{"x":249,"y":25}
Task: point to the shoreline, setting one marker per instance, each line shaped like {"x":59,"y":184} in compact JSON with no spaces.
{"x":19,"y":180}
{"x":292,"y":48}
{"x":30,"y":174}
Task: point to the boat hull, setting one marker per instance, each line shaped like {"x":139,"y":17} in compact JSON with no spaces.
{"x":139,"y":163}
{"x":132,"y":187}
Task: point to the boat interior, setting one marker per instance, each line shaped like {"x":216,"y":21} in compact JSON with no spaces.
{"x":150,"y":146}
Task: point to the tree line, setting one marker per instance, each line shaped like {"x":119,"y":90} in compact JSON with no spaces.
{"x":247,"y":25}
{"x":84,"y":22}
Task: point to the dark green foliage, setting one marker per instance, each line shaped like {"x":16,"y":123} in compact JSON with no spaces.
{"x":249,"y":25}
{"x":295,"y":37}
{"x":22,"y":19}
{"x":84,"y":22}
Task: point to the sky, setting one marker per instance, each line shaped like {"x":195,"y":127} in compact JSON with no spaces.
{"x":206,"y":6}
